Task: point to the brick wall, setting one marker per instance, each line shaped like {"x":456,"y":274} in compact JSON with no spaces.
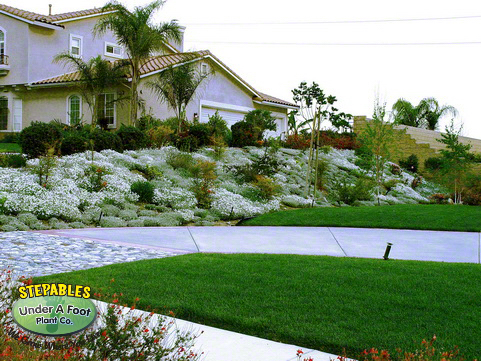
{"x":411,"y":140}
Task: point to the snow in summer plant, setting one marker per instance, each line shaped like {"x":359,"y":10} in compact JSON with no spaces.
{"x":72,"y":196}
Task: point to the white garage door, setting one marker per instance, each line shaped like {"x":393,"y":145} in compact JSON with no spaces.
{"x":229,"y":116}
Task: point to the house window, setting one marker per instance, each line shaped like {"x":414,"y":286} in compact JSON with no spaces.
{"x":203,"y":69}
{"x":106,"y":110}
{"x":113,"y":50}
{"x":74,"y":113}
{"x":2,"y":43}
{"x":76,"y":45}
{"x":3,"y":113}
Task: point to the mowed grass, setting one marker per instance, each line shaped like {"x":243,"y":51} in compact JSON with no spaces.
{"x":325,"y":303}
{"x":10,"y":148}
{"x":417,"y":216}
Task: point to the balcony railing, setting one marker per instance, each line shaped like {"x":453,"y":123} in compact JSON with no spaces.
{"x":3,"y":59}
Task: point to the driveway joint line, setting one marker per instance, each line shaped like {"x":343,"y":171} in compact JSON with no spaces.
{"x":191,"y":236}
{"x":342,"y":249}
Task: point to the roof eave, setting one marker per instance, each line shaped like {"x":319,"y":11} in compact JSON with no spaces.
{"x":83,"y":17}
{"x":33,"y":22}
{"x":265,"y":102}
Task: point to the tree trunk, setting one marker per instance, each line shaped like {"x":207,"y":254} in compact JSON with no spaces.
{"x":134,"y":96}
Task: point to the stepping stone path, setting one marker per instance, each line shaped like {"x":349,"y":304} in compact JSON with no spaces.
{"x":35,"y":254}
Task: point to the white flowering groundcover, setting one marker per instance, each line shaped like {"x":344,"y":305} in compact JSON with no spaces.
{"x":67,"y":200}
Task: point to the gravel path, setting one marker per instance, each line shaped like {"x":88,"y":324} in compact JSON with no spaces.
{"x":37,"y":254}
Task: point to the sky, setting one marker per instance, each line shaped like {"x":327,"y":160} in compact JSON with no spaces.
{"x":355,"y":74}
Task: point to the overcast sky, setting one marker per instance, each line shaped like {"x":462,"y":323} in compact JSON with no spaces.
{"x":354,"y":74}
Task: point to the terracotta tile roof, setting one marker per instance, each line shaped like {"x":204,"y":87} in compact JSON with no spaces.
{"x":27,"y":15}
{"x":74,"y":14}
{"x":157,"y":63}
{"x":272,"y":99}
{"x":49,"y":19}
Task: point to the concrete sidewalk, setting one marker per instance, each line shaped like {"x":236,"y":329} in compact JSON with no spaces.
{"x":343,"y":242}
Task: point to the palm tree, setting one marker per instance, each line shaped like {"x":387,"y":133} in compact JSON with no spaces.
{"x":176,"y":87}
{"x":424,"y":115}
{"x":96,"y":75}
{"x":434,"y":112}
{"x":139,"y":36}
{"x":405,"y":113}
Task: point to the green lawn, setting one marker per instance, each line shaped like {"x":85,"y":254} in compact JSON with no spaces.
{"x":417,"y":216}
{"x":326,"y":303}
{"x":10,"y":148}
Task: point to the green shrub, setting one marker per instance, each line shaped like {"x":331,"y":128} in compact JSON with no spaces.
{"x":365,"y":158}
{"x":128,"y":215}
{"x":145,"y":191}
{"x":433,"y":163}
{"x":204,"y":178}
{"x":94,"y":175}
{"x":135,"y":223}
{"x":27,"y":218}
{"x":219,"y":128}
{"x":76,"y":225}
{"x":159,"y":136}
{"x":148,"y":213}
{"x":411,"y":163}
{"x":38,"y":138}
{"x":266,"y":165}
{"x":112,"y":222}
{"x":74,"y":142}
{"x":12,"y":160}
{"x":185,"y":141}
{"x":132,"y":138}
{"x":250,"y":131}
{"x":202,"y":133}
{"x":147,"y":122}
{"x":109,"y":210}
{"x":266,"y":186}
{"x":472,"y":189}
{"x":244,"y":134}
{"x":103,"y":139}
{"x":345,"y":192}
{"x":180,"y":160}
{"x":390,"y":184}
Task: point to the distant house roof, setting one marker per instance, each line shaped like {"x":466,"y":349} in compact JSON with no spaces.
{"x":156,"y":64}
{"x":27,"y":16}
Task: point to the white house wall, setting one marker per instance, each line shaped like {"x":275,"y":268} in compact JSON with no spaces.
{"x":46,"y":43}
{"x":219,"y":89}
{"x":16,"y":48}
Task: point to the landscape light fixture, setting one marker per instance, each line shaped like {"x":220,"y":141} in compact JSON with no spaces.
{"x":388,"y":249}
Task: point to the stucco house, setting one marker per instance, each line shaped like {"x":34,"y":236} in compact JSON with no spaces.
{"x":33,"y":88}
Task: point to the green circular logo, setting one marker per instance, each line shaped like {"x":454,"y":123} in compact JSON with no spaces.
{"x":54,"y":315}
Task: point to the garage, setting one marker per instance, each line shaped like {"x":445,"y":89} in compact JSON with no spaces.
{"x":230,"y":116}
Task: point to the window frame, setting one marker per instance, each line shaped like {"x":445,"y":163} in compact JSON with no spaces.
{"x":81,"y":41}
{"x":204,"y":69}
{"x":69,"y":97}
{"x":114,"y":124}
{"x":113,"y":55}
{"x":7,"y":112}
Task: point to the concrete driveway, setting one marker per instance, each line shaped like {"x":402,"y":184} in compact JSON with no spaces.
{"x":343,"y":242}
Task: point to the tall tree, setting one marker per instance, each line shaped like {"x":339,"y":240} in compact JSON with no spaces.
{"x":378,"y":137}
{"x":456,"y":160}
{"x":139,"y":36}
{"x":314,"y":107}
{"x":97,"y":75}
{"x":424,"y":115}
{"x":176,"y":86}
